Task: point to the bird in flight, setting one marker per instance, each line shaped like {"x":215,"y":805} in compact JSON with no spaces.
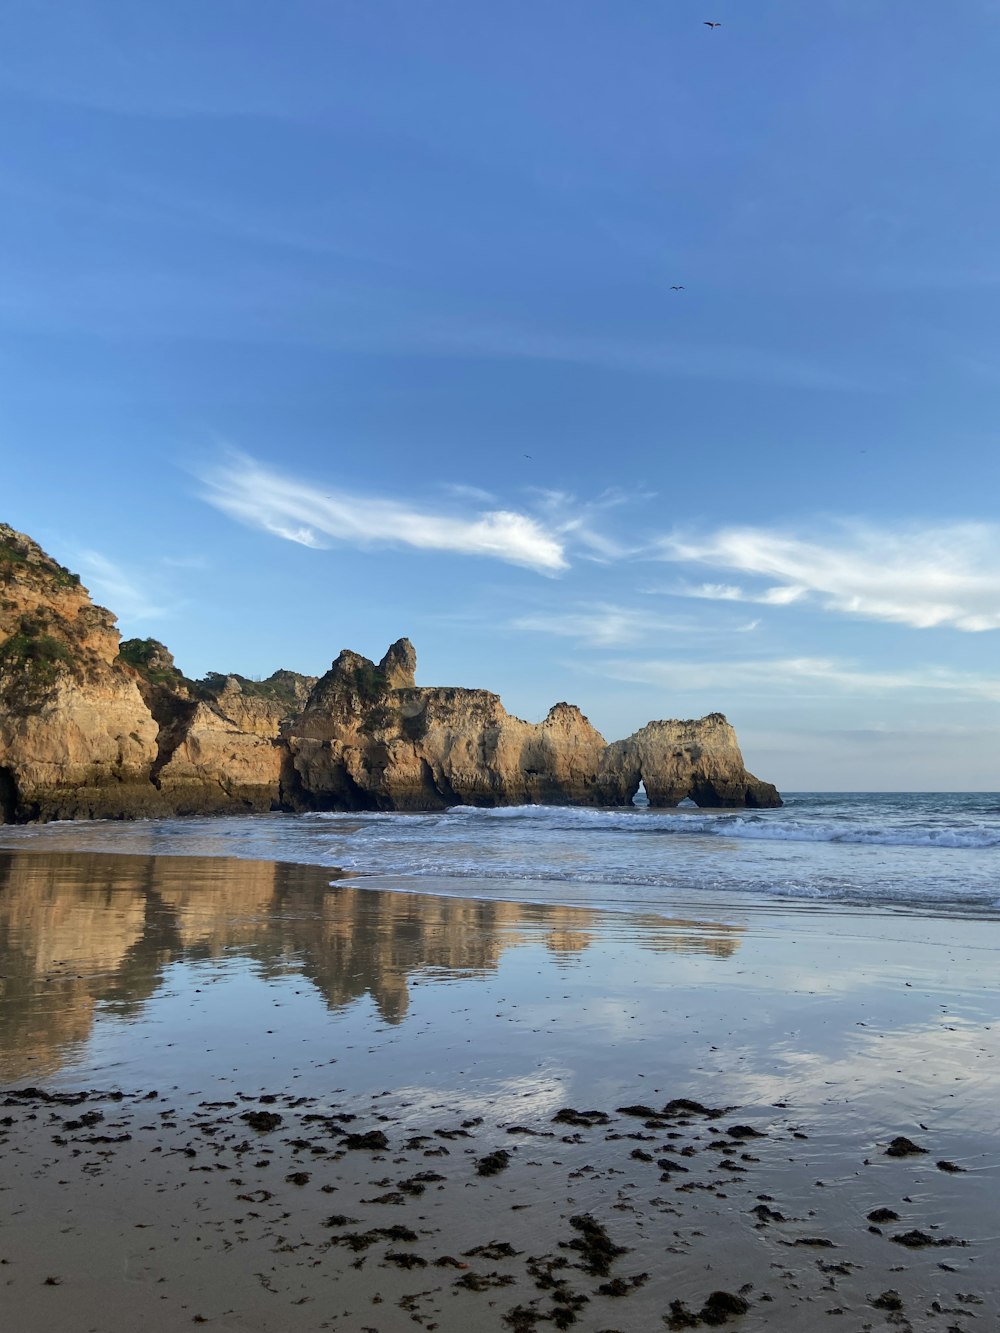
{"x":676,"y":288}
{"x":709,"y":24}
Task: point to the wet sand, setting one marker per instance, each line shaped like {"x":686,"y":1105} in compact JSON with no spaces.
{"x":238,"y":1095}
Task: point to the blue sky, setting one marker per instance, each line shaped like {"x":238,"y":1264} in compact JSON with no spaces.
{"x":333,"y":321}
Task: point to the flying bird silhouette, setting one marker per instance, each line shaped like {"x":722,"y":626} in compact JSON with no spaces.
{"x":709,"y":24}
{"x":677,"y":289}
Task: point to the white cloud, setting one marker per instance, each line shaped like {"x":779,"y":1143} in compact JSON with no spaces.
{"x":576,"y":520}
{"x":123,"y":592}
{"x":787,"y":674}
{"x":301,"y":512}
{"x":600,"y":626}
{"x":924,"y":577}
{"x":730,"y":592}
{"x":604,"y":625}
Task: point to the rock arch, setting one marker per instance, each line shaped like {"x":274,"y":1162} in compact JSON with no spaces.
{"x":697,"y":759}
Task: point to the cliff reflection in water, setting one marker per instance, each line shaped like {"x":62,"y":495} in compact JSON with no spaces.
{"x":83,"y":930}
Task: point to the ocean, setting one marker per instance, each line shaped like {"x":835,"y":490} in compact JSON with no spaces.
{"x":929,"y":853}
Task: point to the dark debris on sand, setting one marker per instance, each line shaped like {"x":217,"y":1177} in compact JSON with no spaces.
{"x":901,"y":1146}
{"x":662,"y":1199}
{"x":719,"y":1308}
{"x":594,"y":1244}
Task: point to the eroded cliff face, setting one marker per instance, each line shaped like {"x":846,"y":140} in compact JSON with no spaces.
{"x":362,"y":743}
{"x":76,"y":737}
{"x":218,"y":742}
{"x":697,"y":759}
{"x":93,"y":728}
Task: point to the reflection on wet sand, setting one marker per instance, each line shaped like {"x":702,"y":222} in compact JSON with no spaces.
{"x":78,"y":930}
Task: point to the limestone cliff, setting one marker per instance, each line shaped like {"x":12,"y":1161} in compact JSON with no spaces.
{"x":76,"y":737}
{"x":364,"y":743}
{"x":93,"y":728}
{"x":369,"y":738}
{"x":700,"y":760}
{"x":219,"y":748}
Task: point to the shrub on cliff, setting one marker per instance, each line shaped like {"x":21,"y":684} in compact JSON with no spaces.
{"x":30,"y":650}
{"x":152,"y":661}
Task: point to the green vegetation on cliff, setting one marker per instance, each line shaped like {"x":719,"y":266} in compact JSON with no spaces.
{"x":32,"y":651}
{"x":155,"y":664}
{"x":152,"y":661}
{"x":368,"y":682}
{"x":286,"y":688}
{"x":18,"y":555}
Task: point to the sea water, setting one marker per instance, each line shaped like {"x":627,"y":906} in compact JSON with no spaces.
{"x":915,"y":852}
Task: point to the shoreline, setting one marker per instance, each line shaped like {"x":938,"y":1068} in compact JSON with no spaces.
{"x":460,"y":1029}
{"x":905,"y":859}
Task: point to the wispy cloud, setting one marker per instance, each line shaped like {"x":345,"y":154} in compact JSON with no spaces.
{"x":124,"y":592}
{"x":580,"y":521}
{"x":458,"y":491}
{"x":300,"y":511}
{"x":683,"y":360}
{"x":802,"y":675}
{"x":185,"y":561}
{"x":946,"y":575}
{"x":601,"y":626}
{"x":730,"y":592}
{"x":605,"y":625}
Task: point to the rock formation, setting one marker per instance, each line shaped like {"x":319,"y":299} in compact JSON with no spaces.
{"x":90,"y":728}
{"x":697,"y":759}
{"x":76,"y":737}
{"x":361,"y":743}
{"x":93,"y":728}
{"x":219,"y":746}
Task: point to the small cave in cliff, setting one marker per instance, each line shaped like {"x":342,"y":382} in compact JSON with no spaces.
{"x":8,"y":796}
{"x":640,"y":798}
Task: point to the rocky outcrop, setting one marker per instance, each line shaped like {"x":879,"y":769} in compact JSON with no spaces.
{"x":219,"y":746}
{"x":699,"y":760}
{"x":93,"y":728}
{"x":363,"y":744}
{"x":76,"y":737}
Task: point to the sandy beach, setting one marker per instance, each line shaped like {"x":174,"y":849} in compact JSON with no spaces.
{"x":237,"y":1094}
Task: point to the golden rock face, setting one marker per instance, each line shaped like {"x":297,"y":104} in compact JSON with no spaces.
{"x":72,"y":720}
{"x":88,"y":731}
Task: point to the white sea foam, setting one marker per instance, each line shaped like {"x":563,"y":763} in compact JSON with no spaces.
{"x":913,"y":837}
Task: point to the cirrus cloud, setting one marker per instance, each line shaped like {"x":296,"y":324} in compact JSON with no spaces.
{"x":802,"y":676}
{"x":924,"y":577}
{"x":302,"y":512}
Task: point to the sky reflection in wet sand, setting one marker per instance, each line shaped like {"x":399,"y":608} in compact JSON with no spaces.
{"x":136,"y":968}
{"x":218,"y":983}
